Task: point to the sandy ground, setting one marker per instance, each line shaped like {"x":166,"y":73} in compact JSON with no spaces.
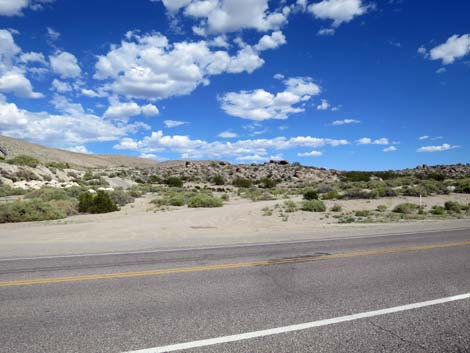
{"x":239,"y":221}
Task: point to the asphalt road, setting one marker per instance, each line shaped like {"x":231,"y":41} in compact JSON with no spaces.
{"x":138,"y":301}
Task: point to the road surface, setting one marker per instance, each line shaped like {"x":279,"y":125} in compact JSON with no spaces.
{"x":397,"y":293}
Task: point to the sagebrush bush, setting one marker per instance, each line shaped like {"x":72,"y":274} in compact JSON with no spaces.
{"x":310,"y":194}
{"x":336,"y":208}
{"x":174,"y":182}
{"x":203,"y":200}
{"x":29,"y":211}
{"x":438,"y":210}
{"x":121,"y":197}
{"x":48,"y":194}
{"x":99,"y":203}
{"x":313,"y":206}
{"x":267,"y":183}
{"x":453,"y":206}
{"x":6,"y":190}
{"x":218,"y":180}
{"x":24,"y":160}
{"x":362,"y":213}
{"x":290,"y":206}
{"x":405,"y":208}
{"x":242,"y":183}
{"x":360,"y":194}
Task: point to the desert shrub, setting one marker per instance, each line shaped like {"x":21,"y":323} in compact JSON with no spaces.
{"x":70,"y":207}
{"x":385,"y":191}
{"x":360,"y":194}
{"x":415,"y":191}
{"x":48,"y":194}
{"x":58,"y":165}
{"x":99,"y":203}
{"x":313,"y":206}
{"x":267,"y":211}
{"x":30,"y":210}
{"x":154,"y":179}
{"x":6,"y":190}
{"x":453,"y":206}
{"x":438,"y":210}
{"x":88,"y":176}
{"x":135,"y":191}
{"x":382,"y":208}
{"x":436,"y":176}
{"x":324,"y":188}
{"x":356,"y":176}
{"x":225,"y":197}
{"x":290,"y":206}
{"x":310,"y":194}
{"x":203,"y":200}
{"x":255,"y":194}
{"x":121,"y":197}
{"x":218,"y":180}
{"x":267,"y":183}
{"x":24,"y":174}
{"x":174,"y":182}
{"x":336,"y":208}
{"x":362,"y":213}
{"x":405,"y":208}
{"x":24,"y":160}
{"x":74,"y":191}
{"x":242,"y":183}
{"x":176,"y":200}
{"x":330,"y":195}
{"x":463,"y":188}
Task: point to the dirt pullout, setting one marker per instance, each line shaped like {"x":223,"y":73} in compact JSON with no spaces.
{"x":136,"y":227}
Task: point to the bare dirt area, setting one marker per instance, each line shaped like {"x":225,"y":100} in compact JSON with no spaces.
{"x":139,"y":226}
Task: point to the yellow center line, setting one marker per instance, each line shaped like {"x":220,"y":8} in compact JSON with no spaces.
{"x":230,"y":266}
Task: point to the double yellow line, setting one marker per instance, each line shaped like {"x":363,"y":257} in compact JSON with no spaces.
{"x":169,"y":271}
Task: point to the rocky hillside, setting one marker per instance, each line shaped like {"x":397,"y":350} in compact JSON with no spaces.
{"x":14,"y":147}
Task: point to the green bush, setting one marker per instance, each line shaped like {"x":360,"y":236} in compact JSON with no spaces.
{"x":453,"y":206}
{"x":336,"y":208}
{"x":48,"y":194}
{"x":382,"y":208}
{"x":6,"y":190}
{"x":176,"y":200}
{"x":438,"y":210}
{"x":100,"y":203}
{"x":121,"y":197}
{"x":357,"y":176}
{"x":58,"y":165}
{"x":30,"y":210}
{"x":313,"y":206}
{"x":218,"y":180}
{"x":360,"y":194}
{"x":242,"y":183}
{"x":24,"y":160}
{"x":267,"y":183}
{"x":405,"y":208}
{"x":330,"y":195}
{"x":174,"y":182}
{"x":203,"y":200}
{"x":70,"y":207}
{"x":290,"y":206}
{"x":310,"y":194}
{"x":362,"y":213}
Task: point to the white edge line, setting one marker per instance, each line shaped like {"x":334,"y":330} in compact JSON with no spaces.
{"x":232,"y":246}
{"x":298,"y":327}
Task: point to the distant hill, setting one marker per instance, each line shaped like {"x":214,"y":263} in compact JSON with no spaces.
{"x":15,"y":147}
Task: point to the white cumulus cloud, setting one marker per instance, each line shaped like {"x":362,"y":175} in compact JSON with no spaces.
{"x":345,"y":122}
{"x":454,"y":48}
{"x":439,"y":148}
{"x":262,"y":105}
{"x":65,"y":65}
{"x":310,"y":154}
{"x":338,"y":10}
{"x":369,"y":141}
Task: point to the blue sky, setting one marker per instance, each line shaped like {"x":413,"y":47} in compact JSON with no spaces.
{"x":344,"y":84}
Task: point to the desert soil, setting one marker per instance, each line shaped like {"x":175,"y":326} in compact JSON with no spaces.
{"x":137,"y":227}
